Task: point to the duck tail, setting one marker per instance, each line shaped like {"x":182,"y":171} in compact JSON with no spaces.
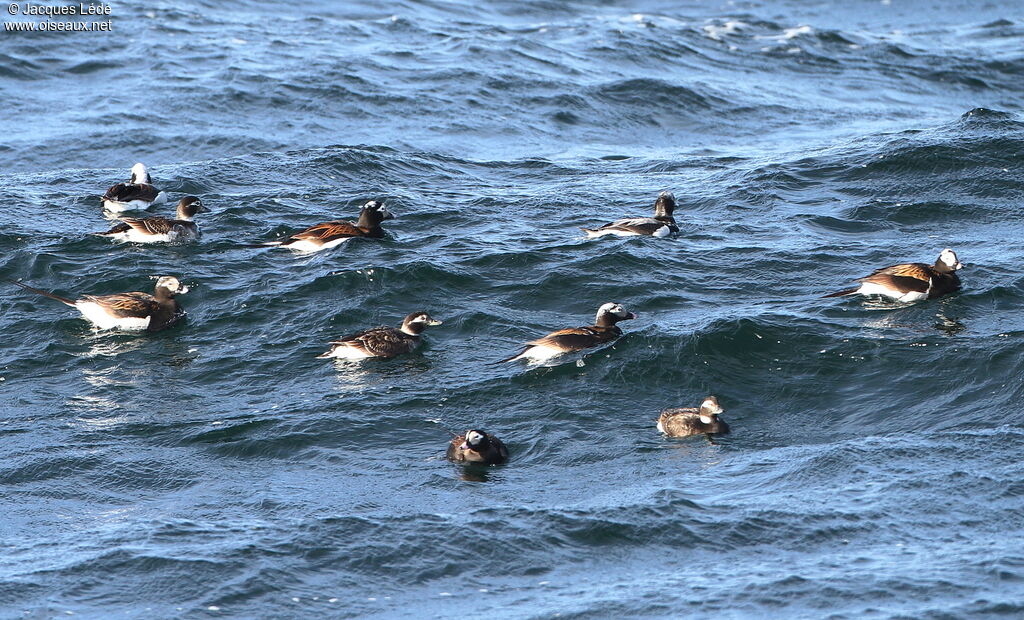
{"x":847,"y":291}
{"x":265,"y":244}
{"x":120,"y":228}
{"x":65,"y":300}
{"x":510,"y":358}
{"x":329,"y":353}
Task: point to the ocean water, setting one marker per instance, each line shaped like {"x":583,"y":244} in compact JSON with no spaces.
{"x":219,"y":469}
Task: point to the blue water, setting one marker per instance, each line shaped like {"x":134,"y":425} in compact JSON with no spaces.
{"x":219,"y":469}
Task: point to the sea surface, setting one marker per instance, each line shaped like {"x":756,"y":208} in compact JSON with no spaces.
{"x":218,"y":469}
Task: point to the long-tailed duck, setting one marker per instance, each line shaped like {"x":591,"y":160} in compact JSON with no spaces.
{"x":574,"y":339}
{"x":382,"y":342}
{"x":330,"y":234}
{"x":910,"y":281}
{"x":686,"y":421}
{"x":661,"y":225}
{"x":161,"y":229}
{"x":137,"y":193}
{"x":477,"y":447}
{"x":131,"y":311}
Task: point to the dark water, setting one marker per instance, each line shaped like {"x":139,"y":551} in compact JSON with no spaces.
{"x":219,"y":469}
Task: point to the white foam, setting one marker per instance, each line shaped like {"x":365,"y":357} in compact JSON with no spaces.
{"x":792,"y":33}
{"x":716,"y":31}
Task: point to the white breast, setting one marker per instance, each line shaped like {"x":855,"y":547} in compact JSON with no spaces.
{"x":611,"y":231}
{"x":871,"y":288}
{"x":303,"y":245}
{"x":139,"y":237}
{"x":115,"y":206}
{"x":103,"y":320}
{"x":541,"y":353}
{"x":346,"y":352}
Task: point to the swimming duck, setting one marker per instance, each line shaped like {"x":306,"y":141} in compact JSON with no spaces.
{"x":686,"y":421}
{"x":161,"y":229}
{"x":137,"y":193}
{"x":476,"y":446}
{"x":382,"y":342}
{"x":131,"y":311}
{"x":574,"y":339}
{"x":330,"y":234}
{"x":661,"y":225}
{"x":911,"y":281}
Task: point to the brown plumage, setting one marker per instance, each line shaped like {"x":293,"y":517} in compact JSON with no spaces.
{"x":127,"y":192}
{"x":574,"y":339}
{"x":476,"y":446}
{"x":329,"y":234}
{"x":910,"y":281}
{"x":382,"y":342}
{"x":686,"y":421}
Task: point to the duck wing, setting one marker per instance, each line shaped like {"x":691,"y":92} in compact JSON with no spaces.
{"x":908,"y":277}
{"x":382,"y":341}
{"x":125,"y":305}
{"x":126,"y":192}
{"x":327,"y":231}
{"x":576,"y":338}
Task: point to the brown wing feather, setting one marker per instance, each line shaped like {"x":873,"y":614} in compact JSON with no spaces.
{"x":125,"y":192}
{"x":918,"y":271}
{"x":454,"y":453}
{"x":329,"y":231}
{"x":151,"y":225}
{"x":898,"y":283}
{"x":384,"y":341}
{"x":124,"y":305}
{"x":575,"y":338}
{"x":639,"y":225}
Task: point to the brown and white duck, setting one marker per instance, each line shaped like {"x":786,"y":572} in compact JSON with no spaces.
{"x":330,"y":234}
{"x":686,"y":421}
{"x":661,"y":225}
{"x":137,"y":193}
{"x":382,"y":342}
{"x":130,"y":311}
{"x":910,"y":281}
{"x":161,"y":229}
{"x":476,"y":446}
{"x":604,"y":330}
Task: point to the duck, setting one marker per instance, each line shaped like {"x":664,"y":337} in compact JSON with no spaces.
{"x":687,"y":421}
{"x":137,"y":193}
{"x":382,"y":342}
{"x":161,"y":229}
{"x":128,"y":311}
{"x":574,"y":339}
{"x":909,"y":282}
{"x":661,"y":225}
{"x":476,"y":446}
{"x":329,"y":234}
